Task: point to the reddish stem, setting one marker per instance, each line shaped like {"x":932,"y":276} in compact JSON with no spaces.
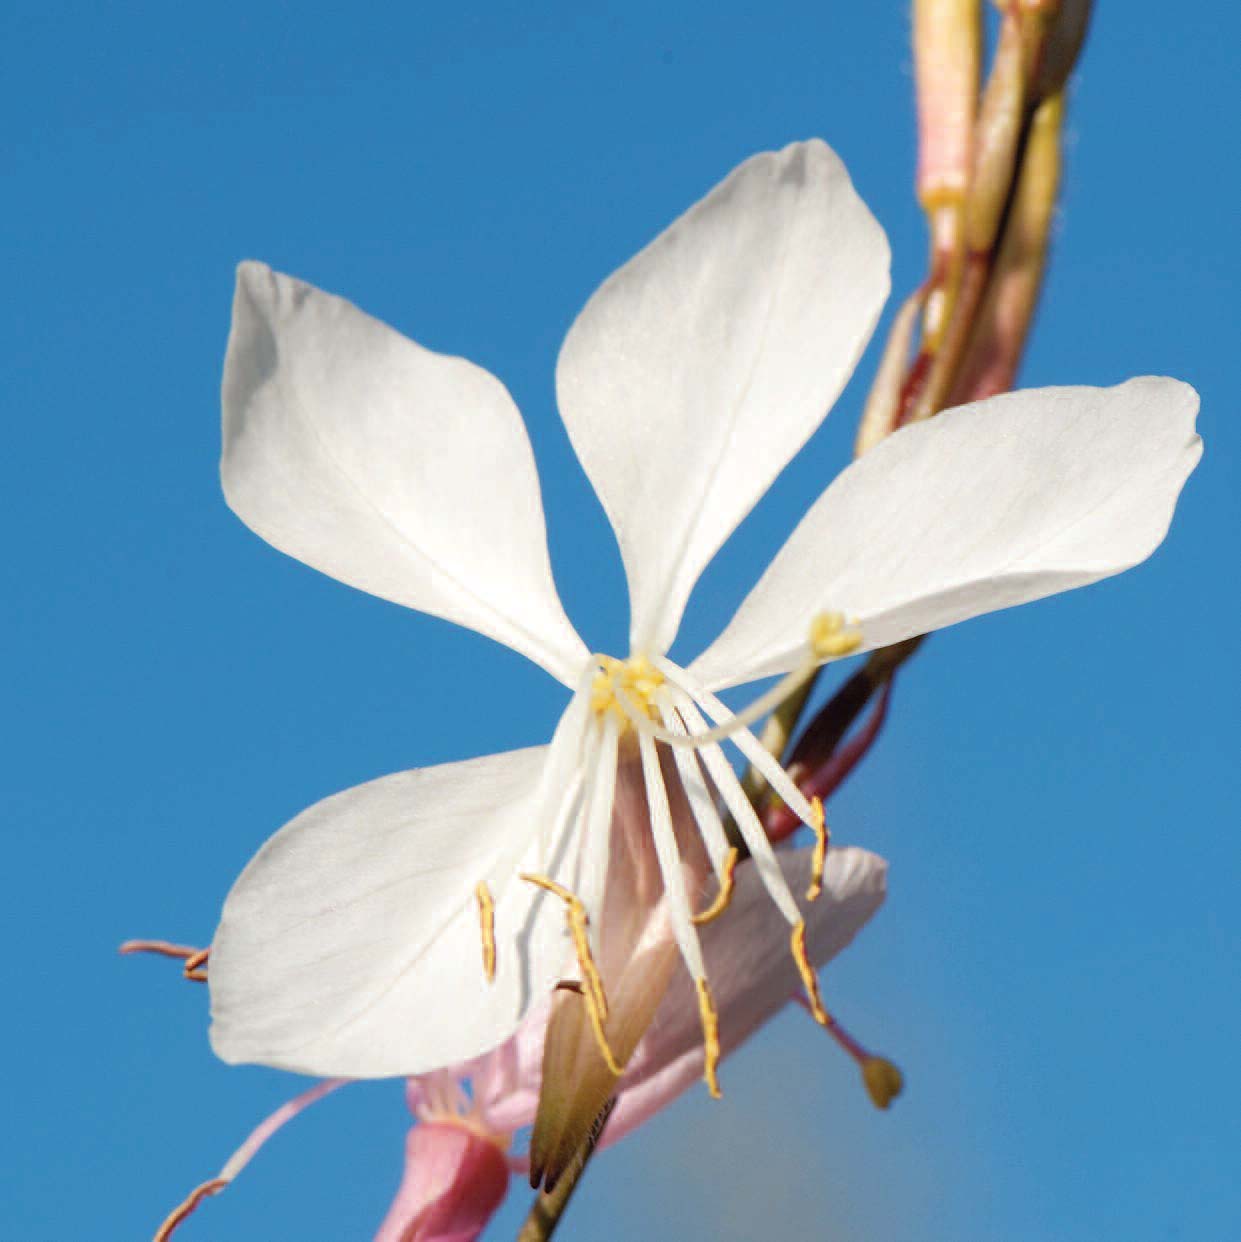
{"x":779,"y":820}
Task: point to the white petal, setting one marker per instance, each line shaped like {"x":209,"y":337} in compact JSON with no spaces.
{"x":400,"y":471}
{"x":985,"y":506}
{"x":699,"y":368}
{"x":751,"y":970}
{"x":350,"y":946}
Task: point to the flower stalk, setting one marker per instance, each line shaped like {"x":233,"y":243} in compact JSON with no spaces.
{"x":989,"y":166}
{"x":549,"y":1206}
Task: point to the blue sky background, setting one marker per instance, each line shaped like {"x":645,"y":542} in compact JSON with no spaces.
{"x":1056,"y":969}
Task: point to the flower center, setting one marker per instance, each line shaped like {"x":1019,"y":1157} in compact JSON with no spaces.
{"x":650,"y":701}
{"x":629,"y":683}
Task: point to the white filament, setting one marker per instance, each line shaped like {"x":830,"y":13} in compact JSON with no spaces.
{"x":738,"y":804}
{"x":702,"y":804}
{"x":596,"y":847}
{"x":758,"y":754}
{"x":734,"y":724}
{"x":669,"y":857}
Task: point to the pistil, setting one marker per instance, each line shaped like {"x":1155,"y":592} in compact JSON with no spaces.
{"x":882,"y":1079}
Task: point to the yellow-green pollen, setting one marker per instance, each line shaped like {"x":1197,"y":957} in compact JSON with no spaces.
{"x":636,"y":678}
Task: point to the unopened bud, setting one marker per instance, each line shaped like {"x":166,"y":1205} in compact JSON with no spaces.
{"x":883,"y":404}
{"x":884,"y":1082}
{"x":947,"y":51}
{"x":1000,"y":123}
{"x":1064,"y":42}
{"x":995,"y":348}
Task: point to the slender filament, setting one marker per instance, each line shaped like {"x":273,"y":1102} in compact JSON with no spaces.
{"x":697,"y":792}
{"x":745,"y":817}
{"x":758,"y":755}
{"x":666,"y":851}
{"x":679,"y":906}
{"x":592,"y":875}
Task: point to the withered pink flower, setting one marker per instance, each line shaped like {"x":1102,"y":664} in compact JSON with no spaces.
{"x":456,"y":1166}
{"x":459,"y":1153}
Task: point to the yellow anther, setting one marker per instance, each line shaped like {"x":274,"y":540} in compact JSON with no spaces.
{"x":601,"y":1038}
{"x":884,"y":1082}
{"x":797,"y":943}
{"x":592,"y":991}
{"x":818,"y":860}
{"x":710,"y":1037}
{"x":725,"y":895}
{"x":831,"y":636}
{"x":487,"y":929}
{"x":636,"y":678}
{"x":195,"y":966}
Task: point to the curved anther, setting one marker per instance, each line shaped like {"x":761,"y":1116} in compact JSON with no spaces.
{"x":725,"y":895}
{"x":592,"y":992}
{"x":195,"y":966}
{"x":487,"y":928}
{"x":710,"y":1037}
{"x":818,"y":860}
{"x":797,"y":942}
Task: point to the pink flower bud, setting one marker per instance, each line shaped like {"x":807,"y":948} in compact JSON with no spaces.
{"x":947,"y":49}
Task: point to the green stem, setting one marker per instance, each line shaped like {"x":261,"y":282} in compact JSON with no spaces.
{"x":549,"y":1207}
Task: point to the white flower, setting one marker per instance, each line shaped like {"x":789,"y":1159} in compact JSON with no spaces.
{"x":351,"y":944}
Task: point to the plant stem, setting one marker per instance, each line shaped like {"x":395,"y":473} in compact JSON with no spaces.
{"x":549,"y":1206}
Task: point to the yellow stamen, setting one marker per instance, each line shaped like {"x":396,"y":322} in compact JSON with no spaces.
{"x":710,"y":1037}
{"x":725,"y":895}
{"x":818,"y":859}
{"x":831,"y":636}
{"x":797,"y":943}
{"x":636,"y":679}
{"x":487,"y":929}
{"x":884,"y":1082}
{"x":592,"y":993}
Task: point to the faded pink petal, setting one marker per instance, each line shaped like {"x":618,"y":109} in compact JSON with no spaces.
{"x":752,"y":975}
{"x":454,"y":1181}
{"x":505,"y":1082}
